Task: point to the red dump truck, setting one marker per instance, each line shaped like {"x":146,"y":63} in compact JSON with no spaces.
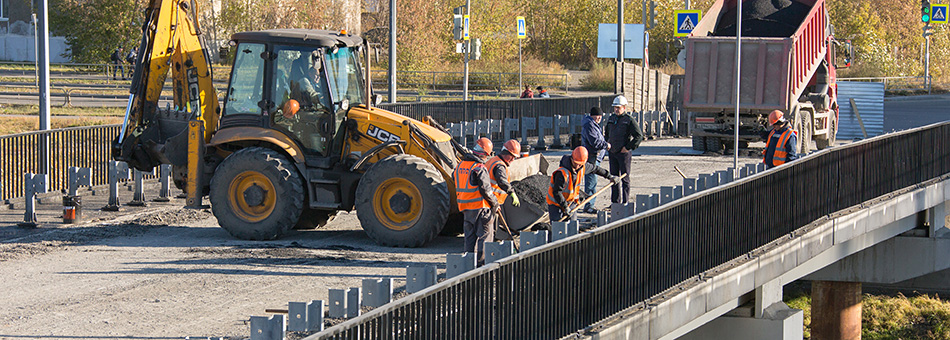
{"x":788,"y":63}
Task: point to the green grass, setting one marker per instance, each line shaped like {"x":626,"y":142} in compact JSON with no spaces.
{"x":889,"y":317}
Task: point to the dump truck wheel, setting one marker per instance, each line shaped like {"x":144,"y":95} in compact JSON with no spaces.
{"x":699,"y":143}
{"x":830,"y":138}
{"x":402,"y":201}
{"x":714,"y":144}
{"x":313,"y":218}
{"x":256,"y":194}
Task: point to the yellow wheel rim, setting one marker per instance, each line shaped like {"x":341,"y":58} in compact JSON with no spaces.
{"x":252,"y":196}
{"x":397,"y":203}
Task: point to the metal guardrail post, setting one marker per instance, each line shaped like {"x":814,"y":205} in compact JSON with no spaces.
{"x":116,"y":171}
{"x":29,"y":198}
{"x":138,"y":191}
{"x":164,"y":172}
{"x":268,"y":328}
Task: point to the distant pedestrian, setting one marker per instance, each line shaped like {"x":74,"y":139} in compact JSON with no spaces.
{"x":624,"y":135}
{"x":592,"y":138}
{"x":130,"y":58}
{"x":542,"y":93}
{"x":782,"y":144}
{"x":527,"y":92}
{"x":117,"y":61}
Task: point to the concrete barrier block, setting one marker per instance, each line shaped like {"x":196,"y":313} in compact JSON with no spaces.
{"x":268,"y":328}
{"x":377,"y":292}
{"x":420,"y":277}
{"x":337,"y":303}
{"x":456,"y":264}
{"x":353,"y":302}
{"x":495,"y":251}
{"x":533,"y":239}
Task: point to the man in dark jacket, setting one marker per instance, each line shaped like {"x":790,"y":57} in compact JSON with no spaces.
{"x":565,"y":186}
{"x":592,"y":138}
{"x":542,"y":93}
{"x":624,"y":136}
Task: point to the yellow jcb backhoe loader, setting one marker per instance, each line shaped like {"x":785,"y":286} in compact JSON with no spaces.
{"x":296,"y":139}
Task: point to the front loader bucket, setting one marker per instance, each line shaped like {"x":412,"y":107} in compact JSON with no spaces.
{"x":528,"y":166}
{"x":519,"y":218}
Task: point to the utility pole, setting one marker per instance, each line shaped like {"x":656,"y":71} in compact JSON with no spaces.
{"x":735,"y":158}
{"x":466,"y":47}
{"x":686,"y":4}
{"x":42,"y":67}
{"x":392,"y":52}
{"x":618,"y":71}
{"x":927,"y":58}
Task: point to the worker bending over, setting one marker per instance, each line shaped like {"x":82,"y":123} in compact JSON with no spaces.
{"x":564,"y":191}
{"x":476,"y":201}
{"x":782,"y":143}
{"x":498,"y":171}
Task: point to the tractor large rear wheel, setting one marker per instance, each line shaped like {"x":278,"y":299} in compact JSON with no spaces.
{"x":402,"y":201}
{"x":256,"y":194}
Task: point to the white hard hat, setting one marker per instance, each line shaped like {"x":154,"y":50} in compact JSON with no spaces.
{"x":620,"y":101}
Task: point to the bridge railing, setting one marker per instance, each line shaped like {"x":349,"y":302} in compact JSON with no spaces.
{"x":560,"y":288}
{"x":84,"y":147}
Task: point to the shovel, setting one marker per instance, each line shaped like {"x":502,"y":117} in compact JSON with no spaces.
{"x":505,"y":224}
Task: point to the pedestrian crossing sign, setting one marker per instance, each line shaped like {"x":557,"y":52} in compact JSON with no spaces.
{"x":938,"y":13}
{"x":521,"y":29}
{"x":686,"y":21}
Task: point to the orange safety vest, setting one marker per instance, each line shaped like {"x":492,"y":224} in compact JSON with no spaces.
{"x":573,"y":189}
{"x":467,"y":195}
{"x":492,"y":163}
{"x":781,"y":153}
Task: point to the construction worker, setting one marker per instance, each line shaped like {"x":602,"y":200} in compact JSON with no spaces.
{"x":564,"y":191}
{"x":498,"y":171}
{"x":782,"y":144}
{"x":624,"y":135}
{"x":476,"y":201}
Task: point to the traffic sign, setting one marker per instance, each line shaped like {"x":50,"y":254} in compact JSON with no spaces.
{"x":939,"y":13}
{"x":521,"y":29}
{"x":465,"y":27}
{"x":686,"y":21}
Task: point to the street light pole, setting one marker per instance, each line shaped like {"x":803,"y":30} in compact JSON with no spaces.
{"x":735,"y":158}
{"x":392,"y":51}
{"x":618,"y":71}
{"x":467,"y":47}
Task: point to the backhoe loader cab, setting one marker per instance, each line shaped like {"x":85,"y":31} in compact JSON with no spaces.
{"x":297,"y":143}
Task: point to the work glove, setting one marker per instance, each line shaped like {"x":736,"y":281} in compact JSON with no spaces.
{"x":614,"y":179}
{"x":565,"y":210}
{"x":514,"y":200}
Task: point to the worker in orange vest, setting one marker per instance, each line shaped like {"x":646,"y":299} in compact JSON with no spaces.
{"x":498,"y":171}
{"x":782,"y":144}
{"x":564,"y":191}
{"x":475,"y":198}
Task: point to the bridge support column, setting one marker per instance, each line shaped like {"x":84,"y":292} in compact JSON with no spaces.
{"x":836,"y":310}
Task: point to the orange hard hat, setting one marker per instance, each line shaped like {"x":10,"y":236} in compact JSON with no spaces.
{"x":483,"y":146}
{"x":776,"y":117}
{"x":579,"y":155}
{"x":513,"y":147}
{"x":290,"y":108}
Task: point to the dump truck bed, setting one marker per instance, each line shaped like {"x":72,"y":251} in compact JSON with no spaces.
{"x":775,"y":70}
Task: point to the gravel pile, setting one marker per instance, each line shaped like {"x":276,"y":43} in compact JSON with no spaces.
{"x":764,"y":18}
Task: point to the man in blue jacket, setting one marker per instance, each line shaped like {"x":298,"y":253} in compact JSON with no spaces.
{"x":592,"y":138}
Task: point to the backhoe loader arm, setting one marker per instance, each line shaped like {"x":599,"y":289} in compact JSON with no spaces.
{"x":170,"y":40}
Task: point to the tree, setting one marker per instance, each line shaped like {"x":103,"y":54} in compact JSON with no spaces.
{"x":94,"y":28}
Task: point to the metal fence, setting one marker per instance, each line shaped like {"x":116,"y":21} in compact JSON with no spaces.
{"x":558,"y":289}
{"x":85,"y":147}
{"x":459,"y":111}
{"x":440,"y":80}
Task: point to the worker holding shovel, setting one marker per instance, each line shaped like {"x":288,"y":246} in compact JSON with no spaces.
{"x":476,"y":200}
{"x":498,"y":171}
{"x":564,"y":191}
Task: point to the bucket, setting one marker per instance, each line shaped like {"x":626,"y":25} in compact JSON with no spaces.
{"x":72,"y":209}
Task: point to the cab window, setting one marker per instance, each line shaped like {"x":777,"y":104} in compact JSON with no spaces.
{"x":244,"y":91}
